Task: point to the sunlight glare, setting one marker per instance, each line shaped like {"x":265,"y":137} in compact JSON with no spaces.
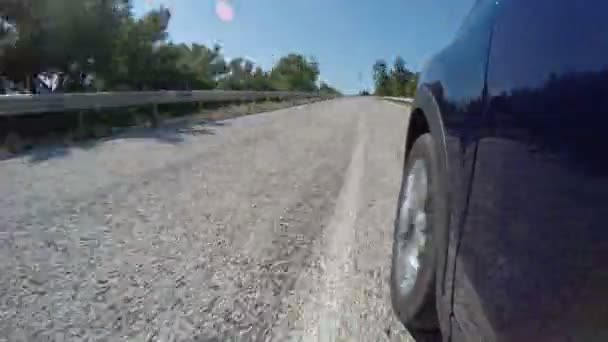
{"x":224,"y":11}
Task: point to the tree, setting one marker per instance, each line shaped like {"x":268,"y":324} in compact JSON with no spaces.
{"x":74,"y":36}
{"x":381,"y":78}
{"x":399,"y":81}
{"x":400,"y":77}
{"x":326,"y":89}
{"x":8,"y":38}
{"x":137,"y":48}
{"x":295,"y":72}
{"x":412,"y":85}
{"x":202,"y":65}
{"x":240,"y":75}
{"x":23,"y":20}
{"x":261,"y":80}
{"x":78,"y":40}
{"x":10,"y":10}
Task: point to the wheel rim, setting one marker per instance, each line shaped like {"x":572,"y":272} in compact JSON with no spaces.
{"x":412,"y":227}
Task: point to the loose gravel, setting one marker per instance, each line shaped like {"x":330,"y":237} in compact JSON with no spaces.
{"x":269,"y":227}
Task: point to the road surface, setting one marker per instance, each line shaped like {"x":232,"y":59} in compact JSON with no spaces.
{"x":269,"y":227}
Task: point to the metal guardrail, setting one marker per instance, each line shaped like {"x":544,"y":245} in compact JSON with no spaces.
{"x":407,"y":100}
{"x":15,"y":105}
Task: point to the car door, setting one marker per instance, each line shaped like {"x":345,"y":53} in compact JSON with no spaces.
{"x":454,"y":82}
{"x":532,"y":261}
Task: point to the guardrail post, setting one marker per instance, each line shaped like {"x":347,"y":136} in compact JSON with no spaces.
{"x":81,"y":125}
{"x":155,"y":119}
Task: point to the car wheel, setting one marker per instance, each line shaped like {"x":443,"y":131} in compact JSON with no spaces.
{"x":414,"y":248}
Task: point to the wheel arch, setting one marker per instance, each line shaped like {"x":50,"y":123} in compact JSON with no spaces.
{"x":418,"y":125}
{"x":426,"y":115}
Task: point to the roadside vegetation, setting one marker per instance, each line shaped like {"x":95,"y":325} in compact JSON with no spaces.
{"x":397,"y":81}
{"x":64,"y":46}
{"x":99,"y":45}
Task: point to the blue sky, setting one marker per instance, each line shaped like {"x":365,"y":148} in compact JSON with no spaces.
{"x":346,"y":37}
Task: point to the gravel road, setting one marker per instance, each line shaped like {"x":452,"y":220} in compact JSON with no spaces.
{"x":269,"y":227}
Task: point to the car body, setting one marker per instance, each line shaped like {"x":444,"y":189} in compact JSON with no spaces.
{"x":517,"y":106}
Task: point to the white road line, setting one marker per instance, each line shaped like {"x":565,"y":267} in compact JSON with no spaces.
{"x":322,"y":316}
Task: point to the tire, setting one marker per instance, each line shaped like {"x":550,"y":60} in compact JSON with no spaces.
{"x":414,"y":259}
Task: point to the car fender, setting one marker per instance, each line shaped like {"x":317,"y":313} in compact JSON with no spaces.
{"x":425,"y":102}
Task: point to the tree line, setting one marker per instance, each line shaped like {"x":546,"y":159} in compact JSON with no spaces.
{"x":397,"y":81}
{"x":99,"y":45}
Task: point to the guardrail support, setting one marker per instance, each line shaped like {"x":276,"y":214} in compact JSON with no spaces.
{"x":155,"y":118}
{"x":81,"y":130}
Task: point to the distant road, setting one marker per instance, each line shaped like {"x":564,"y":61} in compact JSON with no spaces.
{"x":264,"y":227}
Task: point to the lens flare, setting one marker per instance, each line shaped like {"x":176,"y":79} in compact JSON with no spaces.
{"x":224,"y":11}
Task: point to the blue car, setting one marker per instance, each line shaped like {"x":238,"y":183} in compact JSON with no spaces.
{"x":500,"y":232}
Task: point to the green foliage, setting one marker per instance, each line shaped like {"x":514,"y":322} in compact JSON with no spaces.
{"x":326,"y":89}
{"x":74,"y":36}
{"x":261,"y":80}
{"x":241,"y":76}
{"x":381,"y":78}
{"x":295,"y":72}
{"x":399,"y":81}
{"x":102,"y":39}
